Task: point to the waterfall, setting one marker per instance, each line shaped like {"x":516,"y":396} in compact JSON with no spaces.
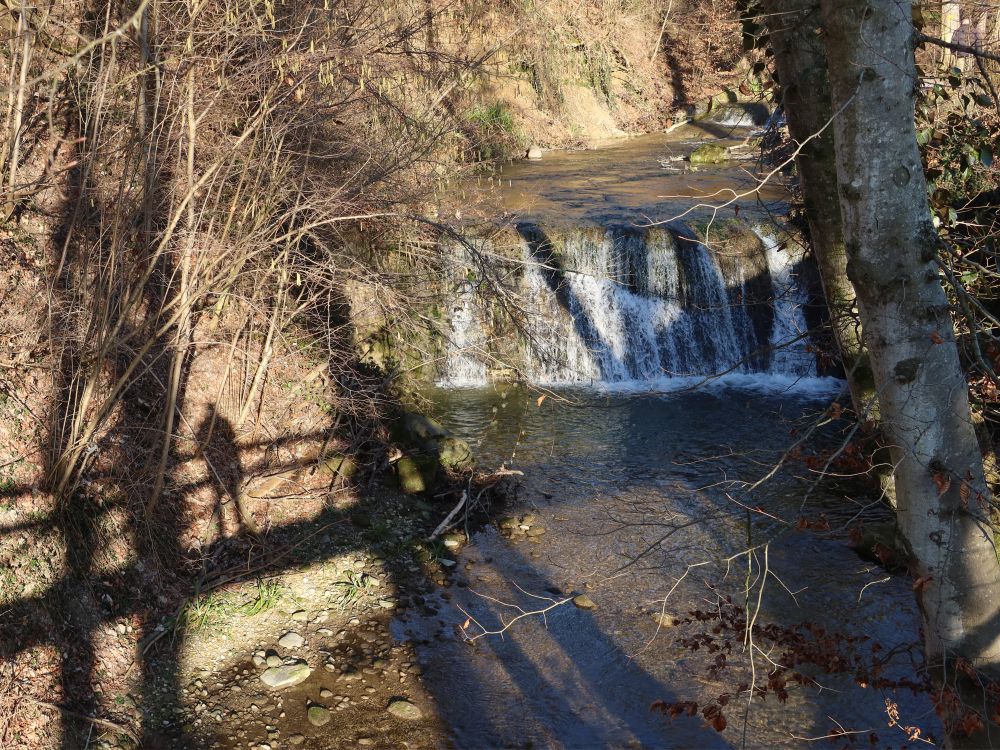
{"x":790,"y":354}
{"x":467,"y":342}
{"x":621,"y":304}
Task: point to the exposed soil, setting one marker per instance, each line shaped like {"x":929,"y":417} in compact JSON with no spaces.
{"x":357,"y":669}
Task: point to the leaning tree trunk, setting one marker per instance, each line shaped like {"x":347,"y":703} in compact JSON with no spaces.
{"x":942,"y":497}
{"x":800,"y":60}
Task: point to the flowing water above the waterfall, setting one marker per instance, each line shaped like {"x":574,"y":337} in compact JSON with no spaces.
{"x":608,"y":297}
{"x":608,"y":475}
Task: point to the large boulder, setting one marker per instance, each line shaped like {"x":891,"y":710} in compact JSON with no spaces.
{"x":430,"y":450}
{"x":417,"y":429}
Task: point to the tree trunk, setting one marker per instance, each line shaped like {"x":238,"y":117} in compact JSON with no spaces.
{"x":800,"y":60}
{"x":942,"y":497}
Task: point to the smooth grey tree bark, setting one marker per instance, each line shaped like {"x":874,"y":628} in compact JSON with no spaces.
{"x":942,"y":497}
{"x":800,"y":62}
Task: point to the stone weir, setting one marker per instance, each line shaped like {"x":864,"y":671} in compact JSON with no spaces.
{"x":618,"y":304}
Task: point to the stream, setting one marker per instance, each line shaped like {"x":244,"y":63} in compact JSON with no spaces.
{"x":640,"y":484}
{"x":607,"y":476}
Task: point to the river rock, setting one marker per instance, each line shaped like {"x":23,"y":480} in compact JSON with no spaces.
{"x":430,"y":446}
{"x":291,"y":639}
{"x":455,"y":454}
{"x":403,"y":709}
{"x":709,"y":153}
{"x":584,"y":602}
{"x":453,"y":540}
{"x":318,"y":715}
{"x":410,"y":477}
{"x":664,"y":620}
{"x":535,"y":530}
{"x":535,"y":152}
{"x":286,"y":675}
{"x":508,"y":524}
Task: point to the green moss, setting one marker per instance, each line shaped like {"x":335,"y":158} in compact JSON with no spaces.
{"x":410,"y":477}
{"x":709,"y":153}
{"x":497,"y":136}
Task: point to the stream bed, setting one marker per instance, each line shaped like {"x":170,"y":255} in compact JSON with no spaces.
{"x":641,"y":500}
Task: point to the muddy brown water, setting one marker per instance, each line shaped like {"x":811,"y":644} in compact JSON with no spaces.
{"x":608,"y":475}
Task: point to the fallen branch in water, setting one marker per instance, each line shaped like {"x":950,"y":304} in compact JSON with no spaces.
{"x":522,"y":613}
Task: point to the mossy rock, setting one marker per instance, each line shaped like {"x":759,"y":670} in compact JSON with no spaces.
{"x":338,"y":465}
{"x":455,"y":455}
{"x":709,"y":153}
{"x":433,"y":444}
{"x":411,"y":477}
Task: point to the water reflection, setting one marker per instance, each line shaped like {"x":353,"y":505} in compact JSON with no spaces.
{"x":609,"y":476}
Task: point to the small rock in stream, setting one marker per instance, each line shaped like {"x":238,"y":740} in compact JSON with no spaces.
{"x":508,"y":524}
{"x":664,"y":620}
{"x":584,"y":602}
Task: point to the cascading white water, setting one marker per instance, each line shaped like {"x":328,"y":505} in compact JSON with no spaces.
{"x":790,"y":353}
{"x":621,"y":305}
{"x":467,"y":343}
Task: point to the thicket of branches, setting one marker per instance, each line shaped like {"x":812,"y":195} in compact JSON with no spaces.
{"x":214,"y":160}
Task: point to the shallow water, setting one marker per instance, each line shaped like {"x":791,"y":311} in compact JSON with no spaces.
{"x":626,"y":181}
{"x":608,"y":475}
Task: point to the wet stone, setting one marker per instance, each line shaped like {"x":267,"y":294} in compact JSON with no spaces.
{"x":584,"y":602}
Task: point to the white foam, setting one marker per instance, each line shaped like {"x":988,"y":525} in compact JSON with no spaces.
{"x":637,"y":313}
